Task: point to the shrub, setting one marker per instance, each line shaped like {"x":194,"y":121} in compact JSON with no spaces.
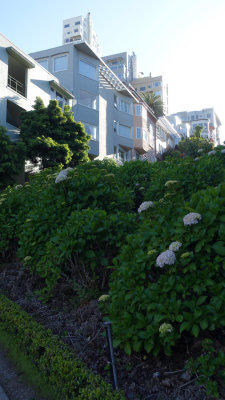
{"x":57,"y":364}
{"x":209,"y":367}
{"x":188,"y":294}
{"x":83,"y":248}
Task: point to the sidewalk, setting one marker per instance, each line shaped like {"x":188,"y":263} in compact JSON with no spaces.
{"x":3,"y":395}
{"x":11,"y":385}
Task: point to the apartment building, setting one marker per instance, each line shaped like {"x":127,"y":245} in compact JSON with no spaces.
{"x":144,"y":121}
{"x":123,"y":65}
{"x":81,"y":28}
{"x":156,"y":84}
{"x":206,"y":118}
{"x":101,"y":101}
{"x":166,"y":136}
{"x":22,"y":79}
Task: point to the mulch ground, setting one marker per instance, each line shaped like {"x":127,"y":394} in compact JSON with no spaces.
{"x":140,"y":376}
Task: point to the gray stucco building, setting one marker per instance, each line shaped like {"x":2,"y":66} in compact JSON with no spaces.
{"x":101,"y":101}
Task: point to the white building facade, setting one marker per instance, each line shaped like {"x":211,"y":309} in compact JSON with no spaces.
{"x":22,"y":79}
{"x":81,"y":28}
{"x":206,"y":118}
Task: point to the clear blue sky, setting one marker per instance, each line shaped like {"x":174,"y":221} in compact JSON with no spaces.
{"x":181,"y":39}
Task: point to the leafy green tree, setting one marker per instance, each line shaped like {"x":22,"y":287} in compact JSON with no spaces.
{"x":194,"y":146}
{"x":154,"y":102}
{"x":53,"y":135}
{"x":198,"y":130}
{"x":11,"y":159}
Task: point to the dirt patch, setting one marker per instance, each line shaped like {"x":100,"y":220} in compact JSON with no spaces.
{"x":140,"y":376}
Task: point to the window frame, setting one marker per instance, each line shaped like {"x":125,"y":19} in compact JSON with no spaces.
{"x":84,"y":61}
{"x":89,"y":93}
{"x":60,"y":56}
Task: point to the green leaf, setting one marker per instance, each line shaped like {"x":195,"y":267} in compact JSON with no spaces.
{"x":201,"y":300}
{"x":195,"y":330}
{"x":127,"y":348}
{"x":204,"y":324}
{"x":179,"y":318}
{"x":219,"y":248}
{"x":185,"y":326}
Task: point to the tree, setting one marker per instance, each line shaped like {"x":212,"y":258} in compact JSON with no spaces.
{"x":11,"y":159}
{"x":52,"y":135}
{"x":198,"y":130}
{"x":154,"y":102}
{"x":194,"y":146}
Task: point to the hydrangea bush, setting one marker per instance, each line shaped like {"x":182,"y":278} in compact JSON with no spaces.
{"x":186,"y":292}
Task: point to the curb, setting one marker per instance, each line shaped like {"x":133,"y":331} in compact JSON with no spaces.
{"x":3,"y":395}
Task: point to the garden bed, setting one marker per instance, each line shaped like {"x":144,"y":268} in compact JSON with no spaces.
{"x":81,"y":327}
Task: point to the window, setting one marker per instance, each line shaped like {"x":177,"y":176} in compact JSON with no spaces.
{"x":68,"y":33}
{"x":75,"y":30}
{"x":208,"y":115}
{"x":149,"y":86}
{"x":114,"y":62}
{"x":121,"y":155}
{"x":157,"y":83}
{"x":124,"y":131}
{"x":87,"y":70}
{"x":59,"y":98}
{"x":87,"y":99}
{"x":115,"y":101}
{"x":115,"y":125}
{"x":145,"y":135}
{"x":158,"y":92}
{"x":44,"y":63}
{"x":60,"y":63}
{"x":115,"y":152}
{"x":91,"y":130}
{"x":142,"y":88}
{"x":138,"y":133}
{"x":66,"y":26}
{"x":138,"y":110}
{"x":67,"y":40}
{"x":77,"y":23}
{"x":124,"y":106}
{"x":13,"y":114}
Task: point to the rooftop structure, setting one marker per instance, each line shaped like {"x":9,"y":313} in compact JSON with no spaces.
{"x":81,"y":28}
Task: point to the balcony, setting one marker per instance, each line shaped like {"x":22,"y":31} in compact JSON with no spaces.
{"x":16,"y":85}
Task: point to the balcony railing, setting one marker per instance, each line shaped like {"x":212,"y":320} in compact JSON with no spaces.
{"x":16,"y":85}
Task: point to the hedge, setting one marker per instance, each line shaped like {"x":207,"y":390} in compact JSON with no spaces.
{"x":56,"y":362}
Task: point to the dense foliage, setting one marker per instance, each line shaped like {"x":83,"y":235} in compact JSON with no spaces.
{"x":11,"y":159}
{"x":53,"y":135}
{"x":194,"y":146}
{"x":81,"y":224}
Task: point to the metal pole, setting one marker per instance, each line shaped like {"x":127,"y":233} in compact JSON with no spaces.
{"x":111,"y":354}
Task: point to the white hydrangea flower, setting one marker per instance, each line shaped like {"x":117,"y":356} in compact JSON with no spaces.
{"x":223,"y":151}
{"x":166,"y":258}
{"x":168,"y":183}
{"x":104,"y":297}
{"x":196,"y":158}
{"x":211,"y":153}
{"x":165,"y":328}
{"x":144,"y":206}
{"x":68,"y":169}
{"x":174,"y":246}
{"x":192,"y":218}
{"x":200,"y":150}
{"x":61,"y":176}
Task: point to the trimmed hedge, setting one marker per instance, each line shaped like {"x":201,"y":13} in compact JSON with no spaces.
{"x":58,"y":365}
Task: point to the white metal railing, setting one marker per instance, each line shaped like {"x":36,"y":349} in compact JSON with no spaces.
{"x":16,"y":85}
